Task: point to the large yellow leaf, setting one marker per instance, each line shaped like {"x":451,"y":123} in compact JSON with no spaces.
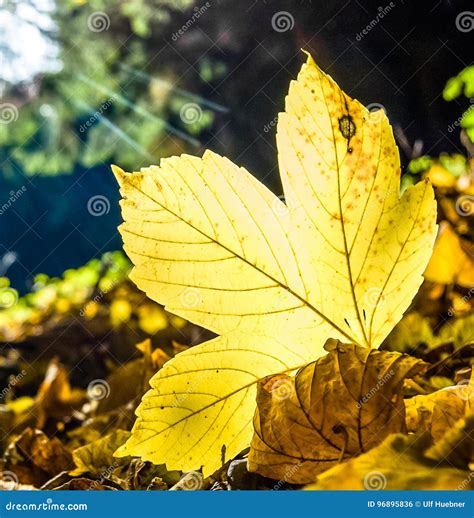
{"x":363,"y":245}
{"x":343,"y":259}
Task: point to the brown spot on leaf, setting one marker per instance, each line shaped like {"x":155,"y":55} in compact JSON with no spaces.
{"x":347,"y":126}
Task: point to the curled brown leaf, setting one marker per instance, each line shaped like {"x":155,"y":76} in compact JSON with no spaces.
{"x":335,"y":408}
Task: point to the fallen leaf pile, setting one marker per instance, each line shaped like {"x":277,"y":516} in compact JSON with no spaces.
{"x":402,"y":462}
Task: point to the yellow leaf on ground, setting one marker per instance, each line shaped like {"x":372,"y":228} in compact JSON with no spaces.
{"x":438,"y":412}
{"x":333,"y":409}
{"x":55,"y":397}
{"x":460,"y":331}
{"x":398,"y":463}
{"x":33,"y":458}
{"x":342,"y":258}
{"x":97,"y":457}
{"x":452,"y":261}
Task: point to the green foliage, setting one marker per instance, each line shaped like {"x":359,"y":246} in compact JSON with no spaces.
{"x":98,"y":108}
{"x":420,"y":164}
{"x":59,"y":295}
{"x":463,"y":84}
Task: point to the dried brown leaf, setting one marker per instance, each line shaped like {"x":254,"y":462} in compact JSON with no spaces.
{"x":338,"y":407}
